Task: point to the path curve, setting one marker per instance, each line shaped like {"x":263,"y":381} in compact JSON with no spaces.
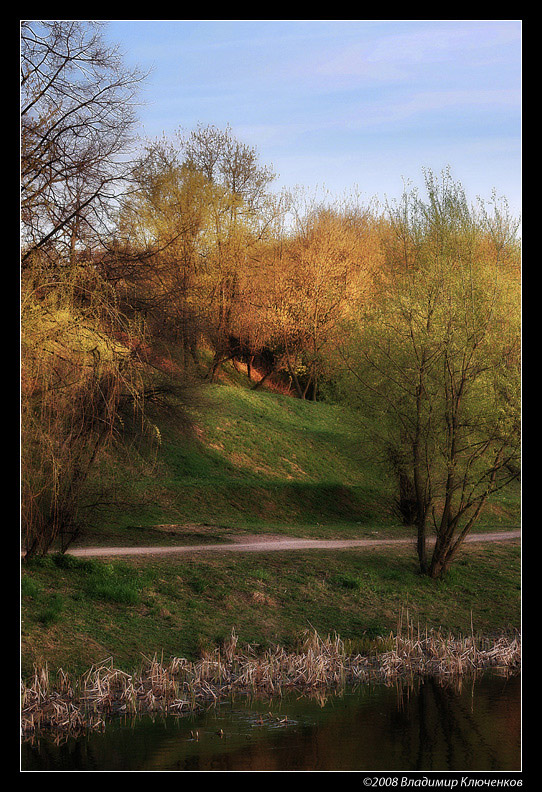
{"x":254,"y":544}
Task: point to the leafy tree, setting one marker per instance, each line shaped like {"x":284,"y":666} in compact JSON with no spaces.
{"x":313,"y":278}
{"x":185,"y":239}
{"x":236,"y":203}
{"x":156,"y":259}
{"x":436,"y":360}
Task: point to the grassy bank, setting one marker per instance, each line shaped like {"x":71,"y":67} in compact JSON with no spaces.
{"x":257,"y":462}
{"x":77,"y":612}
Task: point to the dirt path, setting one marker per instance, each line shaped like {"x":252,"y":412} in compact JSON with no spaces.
{"x":266,"y":544}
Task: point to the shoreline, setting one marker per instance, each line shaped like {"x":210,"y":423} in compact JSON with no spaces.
{"x":179,"y":686}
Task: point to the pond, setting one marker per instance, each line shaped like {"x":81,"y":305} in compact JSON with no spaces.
{"x":427,"y":726}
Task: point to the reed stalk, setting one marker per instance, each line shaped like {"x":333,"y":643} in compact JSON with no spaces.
{"x":321,"y":665}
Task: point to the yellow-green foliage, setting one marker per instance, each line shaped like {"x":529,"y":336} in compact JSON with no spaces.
{"x":75,"y":371}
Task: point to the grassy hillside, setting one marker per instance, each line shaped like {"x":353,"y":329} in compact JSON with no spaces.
{"x":256,"y":461}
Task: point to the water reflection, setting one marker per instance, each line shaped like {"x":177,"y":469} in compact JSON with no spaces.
{"x":428,"y":726}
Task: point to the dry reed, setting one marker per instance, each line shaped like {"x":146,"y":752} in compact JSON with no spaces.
{"x":181,"y":686}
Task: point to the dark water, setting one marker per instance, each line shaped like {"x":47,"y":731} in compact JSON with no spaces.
{"x":426,"y":727}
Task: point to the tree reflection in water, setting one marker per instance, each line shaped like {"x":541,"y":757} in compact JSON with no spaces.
{"x":425,"y":726}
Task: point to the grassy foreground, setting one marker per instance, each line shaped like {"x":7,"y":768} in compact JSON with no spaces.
{"x":78,"y":612}
{"x":257,"y":462}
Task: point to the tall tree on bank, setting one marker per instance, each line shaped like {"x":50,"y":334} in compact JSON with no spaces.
{"x":436,"y":359}
{"x":186,"y":237}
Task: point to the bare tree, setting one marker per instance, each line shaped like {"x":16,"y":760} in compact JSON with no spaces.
{"x":77,"y":114}
{"x":227,"y":161}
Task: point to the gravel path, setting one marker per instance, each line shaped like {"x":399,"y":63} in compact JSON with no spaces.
{"x":266,"y":544}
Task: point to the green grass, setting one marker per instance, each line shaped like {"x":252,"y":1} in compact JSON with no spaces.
{"x":184,"y":606}
{"x":257,"y":462}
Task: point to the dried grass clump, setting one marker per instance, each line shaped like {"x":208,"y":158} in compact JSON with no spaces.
{"x":322,"y":664}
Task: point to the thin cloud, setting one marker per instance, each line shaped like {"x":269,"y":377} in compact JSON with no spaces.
{"x":390,"y":56}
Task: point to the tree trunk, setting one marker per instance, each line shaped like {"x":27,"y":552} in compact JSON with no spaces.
{"x":439,"y":566}
{"x":421,"y":545}
{"x":215,"y":366}
{"x":443,"y":552}
{"x":294,"y":378}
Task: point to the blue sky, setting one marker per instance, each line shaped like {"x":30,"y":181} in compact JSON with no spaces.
{"x":345,"y":105}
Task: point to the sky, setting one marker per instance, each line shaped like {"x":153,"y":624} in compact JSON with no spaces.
{"x":342,"y":106}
